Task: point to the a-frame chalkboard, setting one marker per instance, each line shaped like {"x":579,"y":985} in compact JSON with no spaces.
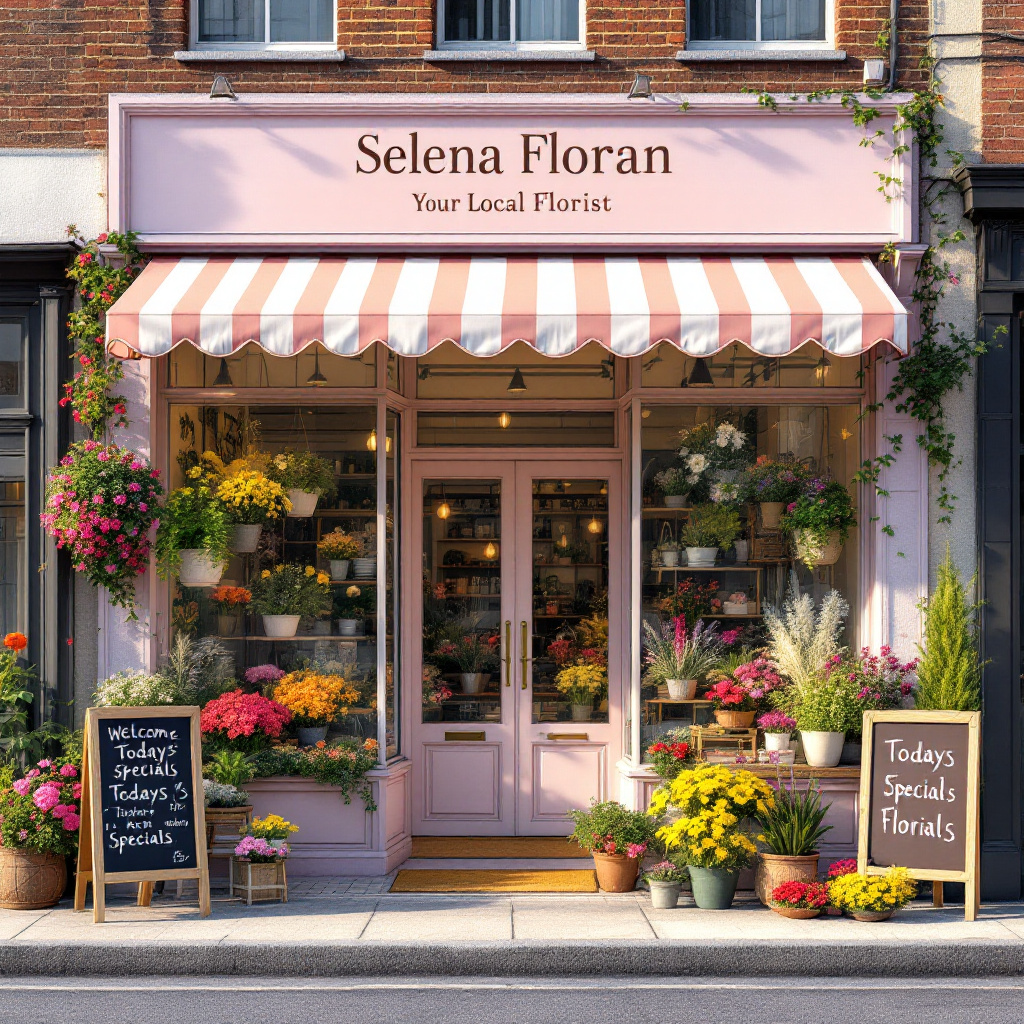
{"x":142,"y":803}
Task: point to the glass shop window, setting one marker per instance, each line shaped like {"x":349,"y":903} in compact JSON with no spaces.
{"x":13,"y":557}
{"x":265,"y":22}
{"x":507,"y":22}
{"x":253,"y":367}
{"x":13,"y":335}
{"x":728,"y":22}
{"x":713,"y":548}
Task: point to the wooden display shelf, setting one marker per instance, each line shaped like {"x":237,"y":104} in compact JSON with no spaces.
{"x":571,"y":565}
{"x":705,"y":568}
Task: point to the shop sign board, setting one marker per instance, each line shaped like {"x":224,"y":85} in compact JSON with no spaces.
{"x":503,"y":172}
{"x":919,"y":797}
{"x":142,"y":802}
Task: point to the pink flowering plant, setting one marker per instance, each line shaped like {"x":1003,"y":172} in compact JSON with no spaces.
{"x":40,"y":811}
{"x":885,"y":680}
{"x":101,"y":504}
{"x":777,"y":722}
{"x":264,"y":675}
{"x":242,"y":721}
{"x":759,"y":678}
{"x":259,"y":850}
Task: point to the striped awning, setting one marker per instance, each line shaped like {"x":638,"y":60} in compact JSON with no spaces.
{"x":557,"y":304}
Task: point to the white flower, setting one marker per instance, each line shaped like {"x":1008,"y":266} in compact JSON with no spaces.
{"x":683,"y":452}
{"x":738,"y":439}
{"x":697,"y":463}
{"x":692,"y":478}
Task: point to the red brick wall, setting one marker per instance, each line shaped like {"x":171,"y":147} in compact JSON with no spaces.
{"x":1002,"y":83}
{"x":60,"y":58}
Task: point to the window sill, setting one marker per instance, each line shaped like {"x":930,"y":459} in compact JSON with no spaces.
{"x":707,"y":56}
{"x":518,"y":56}
{"x":305,"y":56}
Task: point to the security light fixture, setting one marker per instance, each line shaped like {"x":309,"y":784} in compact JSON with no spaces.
{"x":874,"y":72}
{"x":223,"y":378}
{"x":516,"y":385}
{"x":221,"y":89}
{"x":641,"y":88}
{"x":316,"y":379}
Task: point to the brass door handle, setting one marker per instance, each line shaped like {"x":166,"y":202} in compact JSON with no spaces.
{"x":508,"y":652}
{"x":523,"y":659}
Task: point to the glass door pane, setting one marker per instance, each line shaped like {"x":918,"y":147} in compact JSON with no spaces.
{"x":461,"y":601}
{"x":570,"y":601}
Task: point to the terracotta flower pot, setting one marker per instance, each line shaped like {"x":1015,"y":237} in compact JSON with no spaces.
{"x":775,"y":868}
{"x":616,"y":872}
{"x":30,"y":880}
{"x":735,"y":719}
{"x":871,"y":915}
{"x":797,"y":913}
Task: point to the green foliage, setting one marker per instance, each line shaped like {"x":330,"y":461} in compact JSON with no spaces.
{"x":821,"y":509}
{"x":229,"y":767}
{"x":949,"y":673}
{"x":607,"y":823}
{"x":830,"y":702}
{"x":15,"y":699}
{"x":343,"y":764}
{"x":793,"y":826}
{"x":713,"y":525}
{"x":303,"y":471}
{"x":193,"y":518}
{"x":291,"y":590}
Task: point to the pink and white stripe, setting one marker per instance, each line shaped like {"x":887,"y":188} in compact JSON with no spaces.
{"x":772,"y":304}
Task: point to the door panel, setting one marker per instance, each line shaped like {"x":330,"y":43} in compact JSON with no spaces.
{"x":463,"y":781}
{"x":566,"y":774}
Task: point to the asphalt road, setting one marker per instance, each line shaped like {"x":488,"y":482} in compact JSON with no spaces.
{"x":502,"y":1001}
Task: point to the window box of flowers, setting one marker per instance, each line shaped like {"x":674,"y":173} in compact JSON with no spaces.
{"x":305,"y":477}
{"x":617,"y":838}
{"x":315,"y":700}
{"x":39,"y":819}
{"x":679,"y":657}
{"x":339,"y":548}
{"x":665,"y":881}
{"x":252,"y":500}
{"x":712,"y":802}
{"x":192,"y":539}
{"x":799,"y":901}
{"x":257,"y":870}
{"x":773,"y":484}
{"x":284,"y":594}
{"x":871,"y":897}
{"x":820,"y":520}
{"x":231,"y":603}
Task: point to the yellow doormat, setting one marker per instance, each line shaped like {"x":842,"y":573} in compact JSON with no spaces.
{"x":495,"y":881}
{"x":492,"y":847}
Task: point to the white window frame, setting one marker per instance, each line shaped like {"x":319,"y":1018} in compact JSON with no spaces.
{"x":196,"y":44}
{"x":828,"y":43}
{"x":510,"y":44}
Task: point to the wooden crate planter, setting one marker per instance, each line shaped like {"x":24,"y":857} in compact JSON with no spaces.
{"x":224,"y":827}
{"x":258,"y":882}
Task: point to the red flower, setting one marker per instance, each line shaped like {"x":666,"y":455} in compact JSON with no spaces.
{"x":242,"y":714}
{"x":16,"y":641}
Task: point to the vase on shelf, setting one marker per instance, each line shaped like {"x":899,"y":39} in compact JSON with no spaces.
{"x":227,"y":625}
{"x":472,"y":682}
{"x":347,"y":627}
{"x":742,"y":548}
{"x":303,"y":503}
{"x":199,"y":569}
{"x":339,"y":568}
{"x":675,"y":501}
{"x":245,"y":538}
{"x":281,"y":627}
{"x":681,"y":689}
{"x":701,"y":558}
{"x":581,"y":712}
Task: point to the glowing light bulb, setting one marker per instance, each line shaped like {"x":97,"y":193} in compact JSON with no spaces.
{"x":504,"y":420}
{"x":444,"y":510}
{"x":594,"y":526}
{"x":490,"y":552}
{"x":371,"y":441}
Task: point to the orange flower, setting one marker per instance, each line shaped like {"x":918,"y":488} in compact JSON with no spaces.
{"x":320,"y":744}
{"x":370,"y":744}
{"x":16,"y":641}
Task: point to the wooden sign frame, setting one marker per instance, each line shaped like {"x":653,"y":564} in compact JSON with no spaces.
{"x":971,"y":874}
{"x":90,"y":842}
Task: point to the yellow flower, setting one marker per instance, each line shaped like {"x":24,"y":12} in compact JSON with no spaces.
{"x":323,"y":578}
{"x":265,"y":575}
{"x":279,"y":568}
{"x":352,"y":591}
{"x":310,"y":571}
{"x":195,"y":473}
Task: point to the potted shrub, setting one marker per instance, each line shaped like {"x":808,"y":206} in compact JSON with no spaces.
{"x":284,"y":594}
{"x":665,"y":880}
{"x":712,"y":802}
{"x":680,"y":657}
{"x":711,"y":526}
{"x":315,"y":700}
{"x":39,"y":819}
{"x":791,"y":829}
{"x":101,"y":502}
{"x":617,"y":838}
{"x":231,"y":603}
{"x":734,"y":706}
{"x":773,"y":484}
{"x":669,"y":759}
{"x":778,"y":728}
{"x":252,"y":500}
{"x":192,"y":539}
{"x":799,"y":901}
{"x":582,"y":684}
{"x":820,"y":520}
{"x":351,"y":608}
{"x":712,"y":453}
{"x":339,"y":548}
{"x":701,"y":546}
{"x":305,"y":477}
{"x":872,"y":897}
{"x":244,"y":722}
{"x":826,"y":708}
{"x":675,"y":485}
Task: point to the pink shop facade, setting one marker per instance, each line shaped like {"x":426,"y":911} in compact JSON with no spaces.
{"x":499,"y":318}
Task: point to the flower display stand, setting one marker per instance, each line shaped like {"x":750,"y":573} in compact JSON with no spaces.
{"x":708,"y":737}
{"x":224,"y":827}
{"x":258,"y":882}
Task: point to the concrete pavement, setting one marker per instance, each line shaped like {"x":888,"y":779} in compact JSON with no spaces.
{"x":336,"y":927}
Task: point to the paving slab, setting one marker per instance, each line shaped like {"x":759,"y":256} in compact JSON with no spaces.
{"x":566,"y":920}
{"x":441,"y":919}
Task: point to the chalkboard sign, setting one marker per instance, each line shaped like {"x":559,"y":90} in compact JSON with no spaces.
{"x":142,"y":802}
{"x":919,"y":796}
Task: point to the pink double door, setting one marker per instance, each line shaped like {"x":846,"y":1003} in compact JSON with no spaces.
{"x":514,"y":694}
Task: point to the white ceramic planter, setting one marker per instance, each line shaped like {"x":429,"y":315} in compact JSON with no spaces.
{"x":822,"y":749}
{"x":339,"y":568}
{"x":681,"y":689}
{"x":245,"y":538}
{"x":281,"y":626}
{"x":670,"y":558}
{"x":742,"y":548}
{"x":664,"y":895}
{"x":675,"y":501}
{"x":734,"y":609}
{"x":771,"y":514}
{"x":303,"y":503}
{"x":777,"y":741}
{"x":347,"y":627}
{"x":701,"y":558}
{"x":198,"y":569}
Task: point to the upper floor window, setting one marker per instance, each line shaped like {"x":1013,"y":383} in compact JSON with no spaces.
{"x":484,"y":24}
{"x":752,"y":22}
{"x":249,"y":24}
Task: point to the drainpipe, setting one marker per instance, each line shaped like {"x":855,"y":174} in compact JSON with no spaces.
{"x":894,"y":13}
